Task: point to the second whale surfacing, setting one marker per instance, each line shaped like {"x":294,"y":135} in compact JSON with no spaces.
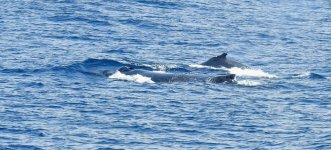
{"x":171,"y":77}
{"x":223,"y":61}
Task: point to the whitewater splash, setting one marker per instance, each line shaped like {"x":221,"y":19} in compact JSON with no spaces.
{"x":136,"y":78}
{"x":249,"y":83}
{"x":161,"y":67}
{"x":240,"y":72}
{"x":250,"y":73}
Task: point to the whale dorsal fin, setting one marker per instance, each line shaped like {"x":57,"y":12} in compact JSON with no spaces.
{"x":223,"y":55}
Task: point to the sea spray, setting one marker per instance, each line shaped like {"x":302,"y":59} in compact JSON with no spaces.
{"x":248,"y":83}
{"x":240,"y":72}
{"x":136,"y":78}
{"x":250,"y":73}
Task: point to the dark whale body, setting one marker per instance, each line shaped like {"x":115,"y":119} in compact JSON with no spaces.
{"x":222,"y":61}
{"x":170,"y":77}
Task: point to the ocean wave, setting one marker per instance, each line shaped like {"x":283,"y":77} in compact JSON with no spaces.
{"x":309,"y":75}
{"x":99,"y":66}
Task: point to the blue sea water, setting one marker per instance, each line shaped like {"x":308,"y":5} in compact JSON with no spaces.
{"x":53,"y":94}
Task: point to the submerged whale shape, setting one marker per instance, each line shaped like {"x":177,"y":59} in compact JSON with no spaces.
{"x":222,"y":61}
{"x":171,"y":77}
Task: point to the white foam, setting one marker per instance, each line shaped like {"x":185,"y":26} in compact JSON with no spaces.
{"x":136,"y":78}
{"x":161,"y":67}
{"x":305,"y":74}
{"x":250,"y":73}
{"x":240,"y":72}
{"x":207,"y":67}
{"x":249,"y":83}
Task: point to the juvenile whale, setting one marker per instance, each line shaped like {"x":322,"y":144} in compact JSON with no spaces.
{"x":171,"y":77}
{"x":223,"y":61}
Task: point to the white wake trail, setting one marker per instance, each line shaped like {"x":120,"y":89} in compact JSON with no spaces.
{"x":250,"y":73}
{"x":240,"y":72}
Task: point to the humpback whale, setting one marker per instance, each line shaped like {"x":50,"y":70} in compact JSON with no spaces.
{"x":171,"y":77}
{"x":223,"y":61}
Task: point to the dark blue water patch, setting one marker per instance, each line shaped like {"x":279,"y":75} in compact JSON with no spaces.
{"x":326,"y":20}
{"x":101,"y":62}
{"x":188,"y":132}
{"x":34,"y":85}
{"x":14,"y":70}
{"x":119,"y":51}
{"x":72,"y":37}
{"x":288,"y":40}
{"x":74,"y":19}
{"x":161,"y":4}
{"x":62,"y":1}
{"x":145,"y":24}
{"x":34,"y":132}
{"x":89,"y":66}
{"x":130,"y":41}
{"x":23,"y":72}
{"x":108,"y":141}
{"x":20,"y":147}
{"x":191,"y":142}
{"x":94,"y":3}
{"x":195,"y":44}
{"x":98,"y":66}
{"x":316,"y":76}
{"x":309,"y":75}
{"x":110,"y":149}
{"x":264,"y":35}
{"x":7,"y":138}
{"x":321,"y":145}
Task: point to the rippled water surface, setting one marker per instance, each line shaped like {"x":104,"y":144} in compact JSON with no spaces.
{"x":54,"y":94}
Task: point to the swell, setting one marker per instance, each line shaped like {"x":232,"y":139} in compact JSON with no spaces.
{"x":309,"y":75}
{"x":88,"y":66}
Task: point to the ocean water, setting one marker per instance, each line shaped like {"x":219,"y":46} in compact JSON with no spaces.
{"x":53,"y":93}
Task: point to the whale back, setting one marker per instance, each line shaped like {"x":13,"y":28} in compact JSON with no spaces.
{"x":222,"y":79}
{"x":170,"y":77}
{"x":223,"y":61}
{"x":155,"y":76}
{"x":125,"y":69}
